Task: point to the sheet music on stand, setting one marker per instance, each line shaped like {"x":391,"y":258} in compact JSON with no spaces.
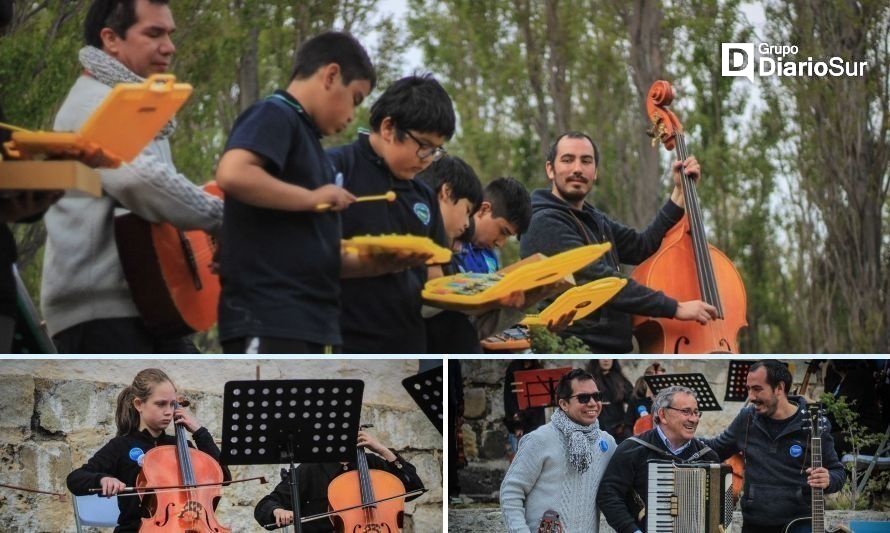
{"x":736,"y":378}
{"x":697,"y":382}
{"x":425,"y":389}
{"x":537,"y":387}
{"x":291,"y":421}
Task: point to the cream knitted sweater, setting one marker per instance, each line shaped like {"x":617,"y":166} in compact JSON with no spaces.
{"x":541,"y":478}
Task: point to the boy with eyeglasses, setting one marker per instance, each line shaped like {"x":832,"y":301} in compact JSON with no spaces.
{"x":558,"y":467}
{"x":410,"y":122}
{"x":623,"y":490}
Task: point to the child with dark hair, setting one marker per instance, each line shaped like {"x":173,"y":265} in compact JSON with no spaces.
{"x":144,"y":411}
{"x":458,"y":189}
{"x":280,"y":255}
{"x":410,"y":122}
{"x":505,"y":212}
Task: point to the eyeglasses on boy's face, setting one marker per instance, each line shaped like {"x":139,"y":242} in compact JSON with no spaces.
{"x":586,"y":397}
{"x":425,"y":150}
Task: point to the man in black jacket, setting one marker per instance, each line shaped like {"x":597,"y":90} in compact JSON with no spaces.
{"x":770,"y":435}
{"x":562,"y":220}
{"x":622,"y":493}
{"x":274,"y":510}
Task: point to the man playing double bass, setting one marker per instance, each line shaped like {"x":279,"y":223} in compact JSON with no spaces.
{"x":275,"y":511}
{"x":563,"y":220}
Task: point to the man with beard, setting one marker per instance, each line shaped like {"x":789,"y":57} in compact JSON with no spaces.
{"x":769,"y":433}
{"x":558,"y":466}
{"x":622,"y":494}
{"x":562,"y":220}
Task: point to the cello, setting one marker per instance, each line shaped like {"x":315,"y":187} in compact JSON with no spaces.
{"x":369,"y":499}
{"x":187,"y":510}
{"x":686,"y":266}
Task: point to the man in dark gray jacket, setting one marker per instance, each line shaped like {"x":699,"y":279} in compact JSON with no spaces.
{"x":562,"y":220}
{"x":776,"y":448}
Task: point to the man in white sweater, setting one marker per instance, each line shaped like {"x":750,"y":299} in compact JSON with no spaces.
{"x":559,"y":466}
{"x":85,"y":298}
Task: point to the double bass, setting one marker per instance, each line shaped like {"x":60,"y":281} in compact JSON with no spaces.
{"x":186,"y":510}
{"x":686,"y":266}
{"x":370,"y":499}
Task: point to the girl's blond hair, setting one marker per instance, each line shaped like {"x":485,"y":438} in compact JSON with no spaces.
{"x":126,"y":416}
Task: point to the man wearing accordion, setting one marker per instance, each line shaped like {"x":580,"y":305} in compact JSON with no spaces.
{"x":623,"y":492}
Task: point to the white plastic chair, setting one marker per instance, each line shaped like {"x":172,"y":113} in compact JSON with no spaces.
{"x":95,"y":511}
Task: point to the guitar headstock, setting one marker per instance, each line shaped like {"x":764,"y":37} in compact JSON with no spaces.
{"x":815,"y":421}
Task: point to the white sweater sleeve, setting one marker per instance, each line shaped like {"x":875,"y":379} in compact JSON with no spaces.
{"x":519,"y":480}
{"x":154,"y":190}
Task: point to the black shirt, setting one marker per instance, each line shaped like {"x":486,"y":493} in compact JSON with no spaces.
{"x":7,"y":251}
{"x":382,"y":314}
{"x":280,"y":270}
{"x":118,"y":459}
{"x":312,"y":482}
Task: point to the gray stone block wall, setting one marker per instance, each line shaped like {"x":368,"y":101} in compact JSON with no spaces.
{"x":55,"y":414}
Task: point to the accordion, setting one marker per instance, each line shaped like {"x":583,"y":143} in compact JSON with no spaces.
{"x":688,"y":498}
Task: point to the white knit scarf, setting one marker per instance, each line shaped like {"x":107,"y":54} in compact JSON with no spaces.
{"x":110,"y":71}
{"x":580,"y":439}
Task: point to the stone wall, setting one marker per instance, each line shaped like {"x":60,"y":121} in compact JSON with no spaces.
{"x":55,"y":414}
{"x":485,"y":436}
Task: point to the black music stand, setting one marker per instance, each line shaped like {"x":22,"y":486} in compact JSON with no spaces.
{"x":536,"y":387}
{"x":291,"y":420}
{"x":426,"y":391}
{"x":697,"y":382}
{"x":736,"y":381}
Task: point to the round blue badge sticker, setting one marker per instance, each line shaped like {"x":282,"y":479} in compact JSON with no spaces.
{"x":423,"y":212}
{"x":136,"y":453}
{"x":795,"y":450}
{"x":604,"y":446}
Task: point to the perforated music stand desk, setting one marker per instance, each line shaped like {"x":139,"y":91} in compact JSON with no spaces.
{"x":697,"y":382}
{"x":291,"y":420}
{"x":736,"y":381}
{"x":537,"y":387}
{"x":426,"y":391}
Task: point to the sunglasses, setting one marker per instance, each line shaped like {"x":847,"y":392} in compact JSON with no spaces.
{"x":585,"y":398}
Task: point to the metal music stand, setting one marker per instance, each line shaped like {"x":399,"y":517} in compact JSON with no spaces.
{"x":425,"y":389}
{"x":697,"y":382}
{"x":537,"y":387}
{"x":736,"y":381}
{"x":291,"y":420}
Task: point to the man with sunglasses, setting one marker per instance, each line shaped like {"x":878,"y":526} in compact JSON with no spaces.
{"x":622,"y":494}
{"x":558,"y":466}
{"x":770,"y":435}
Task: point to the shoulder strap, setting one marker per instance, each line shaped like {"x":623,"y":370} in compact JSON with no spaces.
{"x":652,"y":447}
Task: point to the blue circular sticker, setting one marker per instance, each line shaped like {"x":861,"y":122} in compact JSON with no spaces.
{"x":136,"y":453}
{"x":795,"y":450}
{"x":604,"y":446}
{"x":423,"y":212}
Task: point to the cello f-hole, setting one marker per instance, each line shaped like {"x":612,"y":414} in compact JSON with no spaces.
{"x":684,"y":340}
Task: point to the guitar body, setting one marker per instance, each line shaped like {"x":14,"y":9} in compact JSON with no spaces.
{"x":169,"y":273}
{"x":805,"y":525}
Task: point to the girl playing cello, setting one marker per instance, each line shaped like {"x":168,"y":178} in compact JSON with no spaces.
{"x":313,"y":479}
{"x":144,"y":412}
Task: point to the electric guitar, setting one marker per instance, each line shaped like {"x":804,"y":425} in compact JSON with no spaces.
{"x":816,"y":522}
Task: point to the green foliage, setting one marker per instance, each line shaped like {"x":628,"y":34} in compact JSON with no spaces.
{"x":857,"y":437}
{"x":544,"y":342}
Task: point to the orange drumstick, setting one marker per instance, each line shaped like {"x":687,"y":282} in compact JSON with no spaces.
{"x":390,"y":196}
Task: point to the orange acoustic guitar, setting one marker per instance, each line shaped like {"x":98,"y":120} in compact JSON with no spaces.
{"x":169,"y":273}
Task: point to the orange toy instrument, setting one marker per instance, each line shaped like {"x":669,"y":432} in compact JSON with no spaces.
{"x":686,"y":267}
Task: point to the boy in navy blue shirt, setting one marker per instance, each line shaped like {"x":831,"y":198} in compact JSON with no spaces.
{"x":410,"y":123}
{"x":280,"y":258}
